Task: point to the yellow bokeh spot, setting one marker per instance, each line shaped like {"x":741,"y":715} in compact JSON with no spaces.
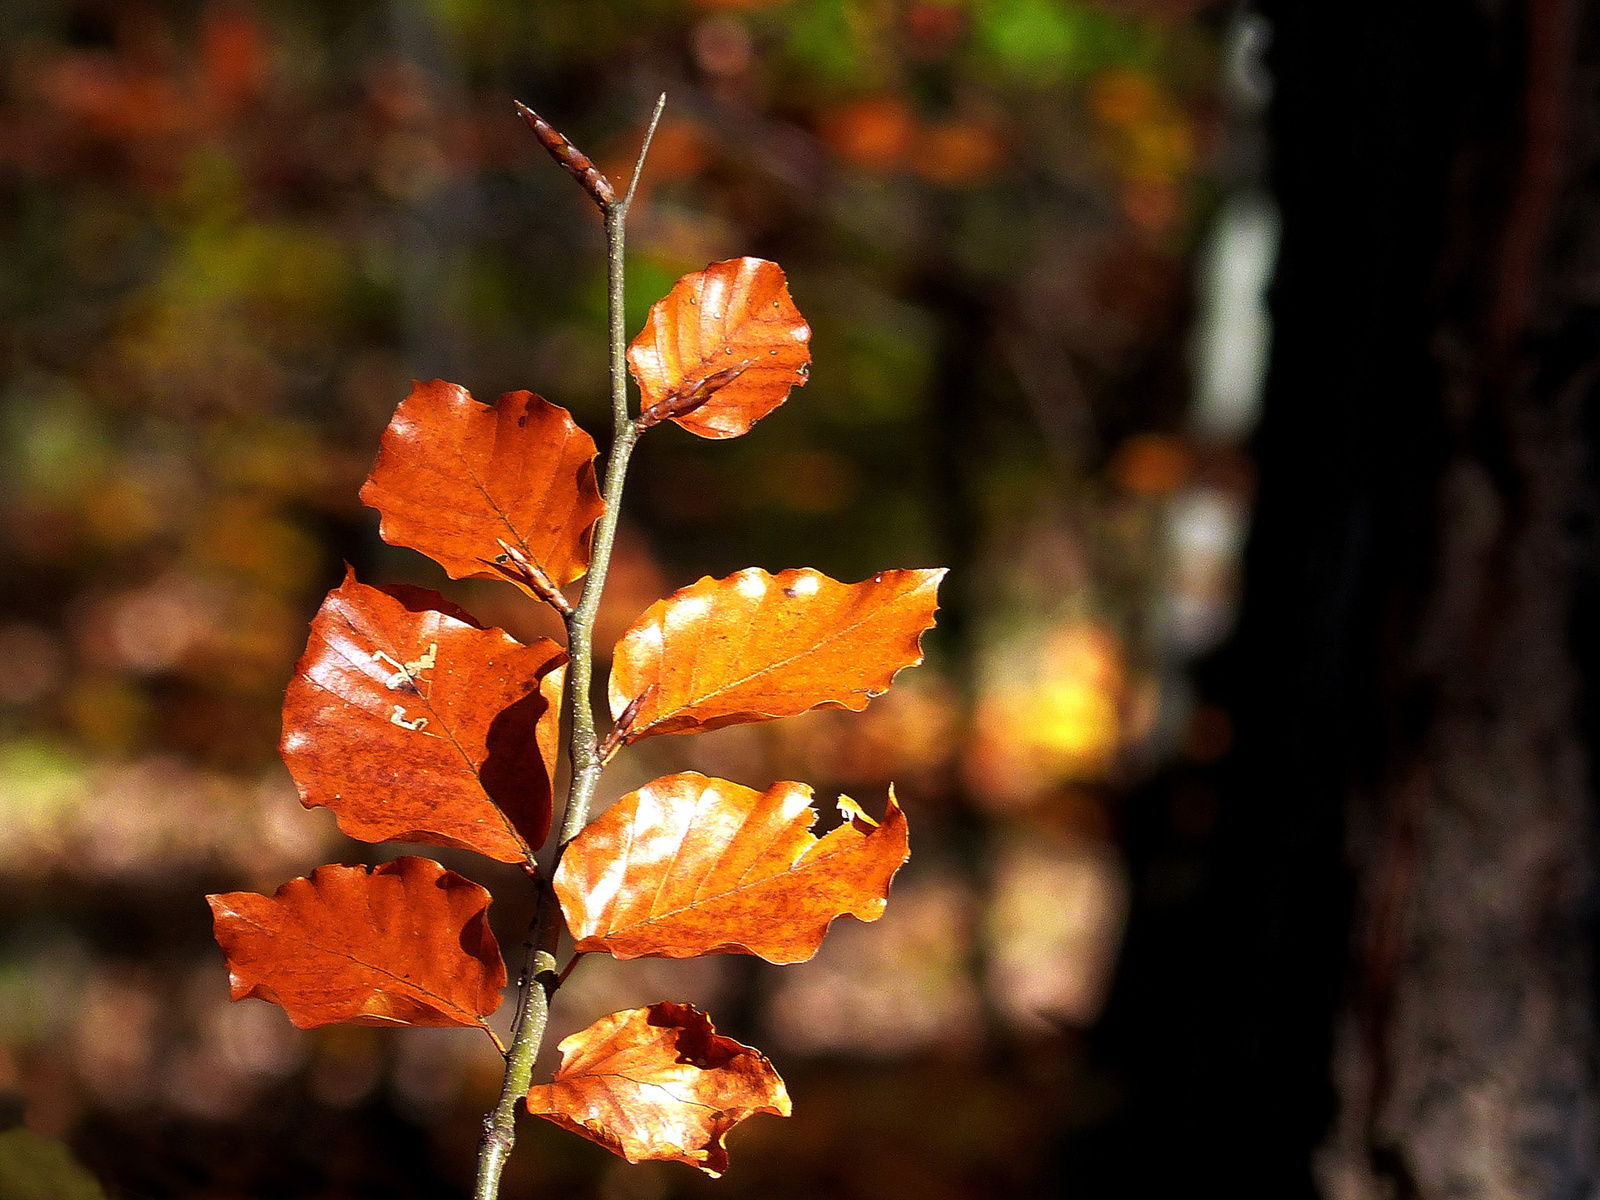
{"x":1056,"y":715}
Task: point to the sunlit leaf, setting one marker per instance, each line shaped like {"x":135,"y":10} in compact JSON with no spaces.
{"x":659,"y":1083}
{"x":690,"y":865}
{"x":412,"y":723}
{"x":407,"y":944}
{"x":722,"y":349}
{"x":463,"y":481}
{"x":754,"y":646}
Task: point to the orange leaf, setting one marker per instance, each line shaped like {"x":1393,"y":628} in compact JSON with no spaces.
{"x":456,"y":478}
{"x":689,"y":865}
{"x":753,"y":647}
{"x":408,"y":944}
{"x":413,"y":723}
{"x":659,"y":1082}
{"x":722,"y":349}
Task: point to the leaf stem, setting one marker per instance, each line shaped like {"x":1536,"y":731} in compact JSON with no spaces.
{"x":499,"y":1127}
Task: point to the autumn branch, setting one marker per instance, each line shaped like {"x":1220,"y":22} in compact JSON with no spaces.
{"x":397,"y":682}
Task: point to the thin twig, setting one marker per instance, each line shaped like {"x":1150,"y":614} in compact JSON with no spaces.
{"x":638,"y":166}
{"x":499,"y":1127}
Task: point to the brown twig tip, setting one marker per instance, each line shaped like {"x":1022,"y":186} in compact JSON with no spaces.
{"x":574,"y":161}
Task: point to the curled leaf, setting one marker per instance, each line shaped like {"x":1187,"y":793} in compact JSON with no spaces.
{"x":413,"y":723}
{"x":455,"y":479}
{"x":659,"y":1083}
{"x":721,"y":350}
{"x":753,"y":647}
{"x":690,"y":865}
{"x":407,"y":944}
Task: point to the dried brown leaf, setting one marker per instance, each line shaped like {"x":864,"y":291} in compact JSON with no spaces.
{"x":412,"y":723}
{"x":407,"y":944}
{"x":753,"y":647}
{"x":455,"y":478}
{"x":690,"y":865}
{"x":722,"y":349}
{"x":659,"y":1083}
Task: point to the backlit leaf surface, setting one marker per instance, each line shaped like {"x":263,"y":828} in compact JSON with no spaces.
{"x":722,"y":349}
{"x":455,"y":478}
{"x":407,"y":944}
{"x":754,"y":646}
{"x":414,"y":724}
{"x":659,"y":1083}
{"x":690,"y":865}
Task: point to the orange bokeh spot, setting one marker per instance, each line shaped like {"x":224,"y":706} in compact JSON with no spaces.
{"x":1125,"y":97}
{"x":1152,"y":464}
{"x":957,"y":152}
{"x":874,"y":134}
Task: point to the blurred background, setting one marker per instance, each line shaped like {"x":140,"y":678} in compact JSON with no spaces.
{"x":1168,"y":909}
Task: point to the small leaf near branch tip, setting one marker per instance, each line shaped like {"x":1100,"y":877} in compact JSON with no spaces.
{"x":574,"y":161}
{"x":659,"y":1083}
{"x":721,"y":350}
{"x":689,"y":865}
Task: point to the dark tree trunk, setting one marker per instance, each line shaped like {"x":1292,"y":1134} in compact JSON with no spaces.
{"x":1409,"y":658}
{"x":1385,"y":991}
{"x":1465,"y":1060}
